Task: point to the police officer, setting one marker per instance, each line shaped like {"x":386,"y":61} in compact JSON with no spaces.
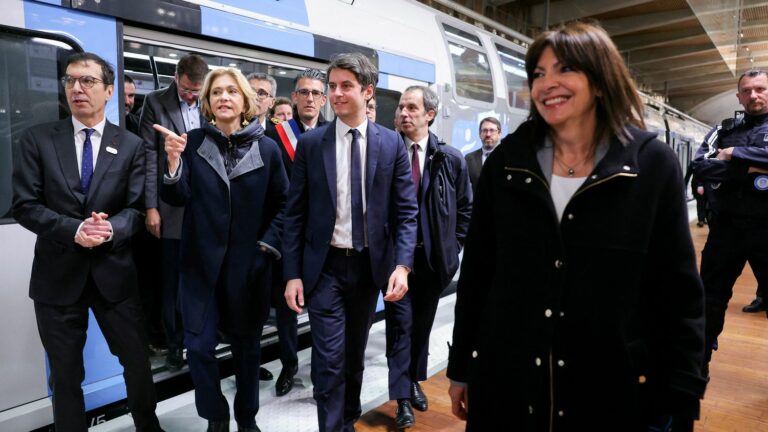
{"x":733,"y":163}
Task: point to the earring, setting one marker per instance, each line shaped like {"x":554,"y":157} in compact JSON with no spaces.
{"x":246,"y":122}
{"x":212,"y":122}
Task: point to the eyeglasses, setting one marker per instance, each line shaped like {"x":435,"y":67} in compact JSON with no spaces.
{"x":261,"y":94}
{"x":86,"y":81}
{"x":194,"y":93}
{"x":306,"y":92}
{"x":487,"y":131}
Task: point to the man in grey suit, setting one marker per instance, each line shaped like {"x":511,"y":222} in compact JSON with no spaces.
{"x":77,"y":184}
{"x":490,"y":133}
{"x":176,"y":108}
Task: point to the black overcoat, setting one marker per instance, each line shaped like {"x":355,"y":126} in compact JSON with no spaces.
{"x":596,"y":321}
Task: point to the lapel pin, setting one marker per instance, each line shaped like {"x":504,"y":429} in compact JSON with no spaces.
{"x":111,"y":149}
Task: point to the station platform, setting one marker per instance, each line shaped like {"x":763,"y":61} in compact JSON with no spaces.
{"x":736,"y":398}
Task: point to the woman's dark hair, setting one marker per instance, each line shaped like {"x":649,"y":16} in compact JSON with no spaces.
{"x":587,"y":48}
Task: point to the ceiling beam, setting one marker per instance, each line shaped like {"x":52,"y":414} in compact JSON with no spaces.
{"x":651,"y":40}
{"x":566,"y":10}
{"x":636,"y":23}
{"x":669,"y":53}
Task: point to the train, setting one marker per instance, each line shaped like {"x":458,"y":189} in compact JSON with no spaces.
{"x":476,"y":72}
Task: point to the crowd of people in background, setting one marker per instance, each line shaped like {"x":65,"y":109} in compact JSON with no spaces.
{"x":578,"y":271}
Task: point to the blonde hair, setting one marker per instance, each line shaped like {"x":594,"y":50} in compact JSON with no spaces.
{"x":249,"y":96}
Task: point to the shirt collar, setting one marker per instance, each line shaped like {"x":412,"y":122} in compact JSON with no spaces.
{"x":422,"y":142}
{"x":184,"y":103}
{"x":99,"y":127}
{"x":343,"y":128}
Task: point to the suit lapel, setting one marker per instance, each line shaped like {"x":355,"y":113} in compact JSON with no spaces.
{"x":172,"y":106}
{"x":210,"y":153}
{"x":373,"y":140}
{"x":104,"y":159}
{"x":426,"y":177}
{"x":328,"y":147}
{"x":251,"y":161}
{"x":63,"y":139}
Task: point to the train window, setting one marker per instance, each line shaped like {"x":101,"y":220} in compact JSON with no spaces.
{"x":513,"y":65}
{"x":30,"y":93}
{"x":472,"y":73}
{"x":461,"y":35}
{"x":143,"y":58}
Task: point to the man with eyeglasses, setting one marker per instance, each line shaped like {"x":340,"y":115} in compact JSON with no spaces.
{"x":309,"y":98}
{"x":176,"y":108}
{"x":265,"y":87}
{"x":490,"y":134}
{"x":78,"y":184}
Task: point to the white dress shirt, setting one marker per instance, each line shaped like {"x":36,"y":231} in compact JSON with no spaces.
{"x":422,"y":152}
{"x":80,"y":141}
{"x":342,"y":230}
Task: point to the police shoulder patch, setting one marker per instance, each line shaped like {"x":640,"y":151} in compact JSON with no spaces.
{"x":761,"y":182}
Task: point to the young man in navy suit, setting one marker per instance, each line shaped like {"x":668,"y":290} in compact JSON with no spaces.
{"x":350,"y":231}
{"x":78,"y":184}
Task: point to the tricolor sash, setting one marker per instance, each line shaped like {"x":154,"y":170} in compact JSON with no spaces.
{"x":289,"y":135}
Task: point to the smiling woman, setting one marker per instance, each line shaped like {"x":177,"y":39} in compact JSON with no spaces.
{"x":578,"y":267}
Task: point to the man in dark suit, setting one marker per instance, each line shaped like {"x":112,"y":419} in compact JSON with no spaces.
{"x":445,"y":206}
{"x":350,"y":231}
{"x":490,"y":133}
{"x":77,"y":184}
{"x":176,"y":108}
{"x":309,"y":98}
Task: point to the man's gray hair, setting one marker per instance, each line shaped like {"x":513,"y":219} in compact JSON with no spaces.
{"x":313,"y":74}
{"x":360,"y":66}
{"x":430,"y":99}
{"x":259,"y":76}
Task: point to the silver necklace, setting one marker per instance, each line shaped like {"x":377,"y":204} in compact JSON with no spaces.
{"x":570,"y":169}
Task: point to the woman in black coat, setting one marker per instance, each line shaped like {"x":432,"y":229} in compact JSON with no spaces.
{"x":579,"y":305}
{"x":230,"y":178}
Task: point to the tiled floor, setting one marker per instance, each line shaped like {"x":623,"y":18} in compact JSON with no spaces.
{"x":296,"y":412}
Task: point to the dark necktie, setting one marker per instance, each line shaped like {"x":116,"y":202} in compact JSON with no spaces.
{"x":86,"y":171}
{"x":356,"y":187}
{"x":415,"y":167}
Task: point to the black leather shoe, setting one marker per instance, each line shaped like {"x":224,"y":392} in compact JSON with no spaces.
{"x":218,"y":426}
{"x":284,"y":382}
{"x":157,"y":350}
{"x":757,"y":305}
{"x":255,"y":428}
{"x":404,"y":414}
{"x":265,"y":375}
{"x":174,"y":360}
{"x":418,"y":398}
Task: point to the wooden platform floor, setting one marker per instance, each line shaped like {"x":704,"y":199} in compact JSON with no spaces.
{"x":736,"y":398}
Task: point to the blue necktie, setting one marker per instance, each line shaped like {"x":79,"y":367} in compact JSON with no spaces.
{"x":356,"y":187}
{"x":86,"y":172}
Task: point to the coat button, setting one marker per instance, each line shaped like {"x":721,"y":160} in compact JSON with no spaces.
{"x":626,"y":168}
{"x":548,"y":313}
{"x":558,"y":264}
{"x":594,"y":176}
{"x":527,"y":179}
{"x":641,"y":379}
{"x":562,"y":314}
{"x":474,"y":354}
{"x":530,"y":409}
{"x":570,"y":216}
{"x":560,"y":413}
{"x":538,"y":361}
{"x":509,"y":176}
{"x":560,"y":363}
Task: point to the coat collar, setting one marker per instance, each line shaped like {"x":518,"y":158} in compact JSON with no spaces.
{"x":169,"y":99}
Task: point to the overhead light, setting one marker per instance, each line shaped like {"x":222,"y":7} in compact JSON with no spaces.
{"x":233,"y":65}
{"x":282,"y":72}
{"x":174,"y":55}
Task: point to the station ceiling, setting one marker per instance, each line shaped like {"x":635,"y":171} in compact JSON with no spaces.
{"x":689,"y":51}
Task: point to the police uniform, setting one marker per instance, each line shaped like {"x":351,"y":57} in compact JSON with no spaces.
{"x":738,"y":228}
